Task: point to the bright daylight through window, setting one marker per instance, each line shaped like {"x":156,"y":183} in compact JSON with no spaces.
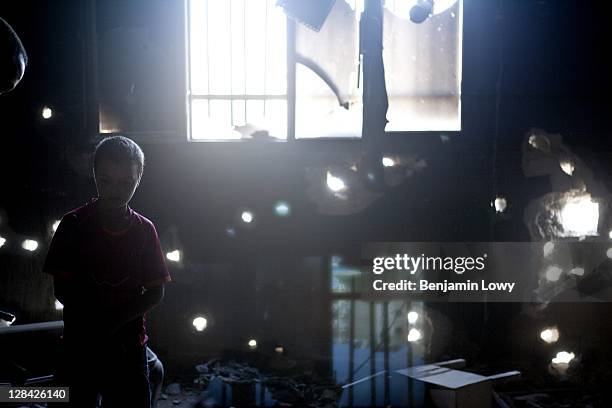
{"x":237,"y":70}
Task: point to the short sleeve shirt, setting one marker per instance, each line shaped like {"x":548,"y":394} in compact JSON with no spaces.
{"x":106,"y":268}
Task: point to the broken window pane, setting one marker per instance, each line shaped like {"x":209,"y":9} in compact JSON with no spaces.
{"x":318,"y":113}
{"x":328,"y":99}
{"x":423,"y":67}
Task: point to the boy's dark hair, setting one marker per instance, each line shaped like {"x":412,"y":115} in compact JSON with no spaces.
{"x":119,"y":148}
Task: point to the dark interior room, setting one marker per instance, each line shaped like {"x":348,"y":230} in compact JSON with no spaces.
{"x":321,"y":203}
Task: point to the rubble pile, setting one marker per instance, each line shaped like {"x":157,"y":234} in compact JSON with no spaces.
{"x":288,"y":387}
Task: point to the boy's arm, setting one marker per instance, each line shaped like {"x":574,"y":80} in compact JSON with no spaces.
{"x":59,"y":261}
{"x":155,"y":274}
{"x":136,"y":308}
{"x":65,"y":291}
{"x":61,"y":290}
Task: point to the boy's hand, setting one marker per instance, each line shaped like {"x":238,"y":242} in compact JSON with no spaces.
{"x":107,"y":322}
{"x":106,"y":325}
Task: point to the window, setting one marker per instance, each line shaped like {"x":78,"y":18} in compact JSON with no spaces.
{"x":240,"y":52}
{"x":423,"y":67}
{"x":237,"y":69}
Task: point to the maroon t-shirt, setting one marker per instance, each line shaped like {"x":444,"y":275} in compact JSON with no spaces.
{"x":106,"y":269}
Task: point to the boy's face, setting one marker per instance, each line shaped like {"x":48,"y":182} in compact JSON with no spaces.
{"x":116,"y":182}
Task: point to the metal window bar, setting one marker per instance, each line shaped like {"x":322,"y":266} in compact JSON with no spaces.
{"x":265,"y":76}
{"x":245,"y":95}
{"x":291,"y":79}
{"x":231,"y":59}
{"x":244,"y":63}
{"x":207,"y":55}
{"x":187,"y":5}
{"x":239,"y":97}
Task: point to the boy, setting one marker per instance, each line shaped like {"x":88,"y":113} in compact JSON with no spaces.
{"x":108,"y":271}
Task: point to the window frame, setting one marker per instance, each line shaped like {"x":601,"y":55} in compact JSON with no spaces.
{"x":389,"y":136}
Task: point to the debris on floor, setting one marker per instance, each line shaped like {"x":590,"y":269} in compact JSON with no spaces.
{"x":252,"y":380}
{"x":294,"y":386}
